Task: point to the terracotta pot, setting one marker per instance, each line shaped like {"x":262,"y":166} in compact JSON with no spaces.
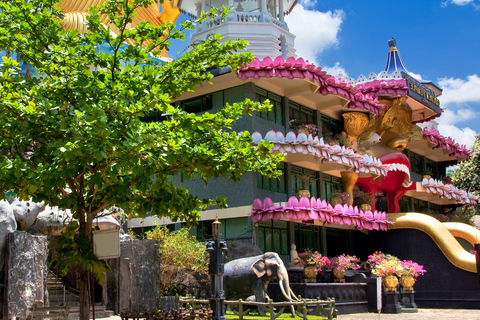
{"x":390,"y":283}
{"x":338,"y":275}
{"x":310,"y":274}
{"x":302,"y":130}
{"x":407,"y":283}
{"x":335,"y":200}
{"x":365,"y":207}
{"x":303,"y":193}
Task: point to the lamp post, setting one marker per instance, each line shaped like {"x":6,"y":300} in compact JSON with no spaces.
{"x":215,"y":248}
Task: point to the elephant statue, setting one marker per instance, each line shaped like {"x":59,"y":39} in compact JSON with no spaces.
{"x":250,"y":276}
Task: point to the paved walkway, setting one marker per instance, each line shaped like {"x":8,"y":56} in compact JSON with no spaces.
{"x":423,"y":314}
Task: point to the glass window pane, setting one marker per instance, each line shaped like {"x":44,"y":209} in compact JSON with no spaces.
{"x":278,"y":113}
{"x":268,"y":240}
{"x":261,"y":239}
{"x":276,"y":241}
{"x":285,"y":247}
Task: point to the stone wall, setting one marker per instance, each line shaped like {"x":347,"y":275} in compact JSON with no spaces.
{"x":133,"y":283}
{"x":26,"y":268}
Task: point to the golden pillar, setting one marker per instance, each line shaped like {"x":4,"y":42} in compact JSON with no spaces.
{"x":349,"y":178}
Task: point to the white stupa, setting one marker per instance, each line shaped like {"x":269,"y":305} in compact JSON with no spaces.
{"x":260,"y":22}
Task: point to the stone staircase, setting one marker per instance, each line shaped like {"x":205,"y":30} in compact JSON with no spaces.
{"x":61,"y":295}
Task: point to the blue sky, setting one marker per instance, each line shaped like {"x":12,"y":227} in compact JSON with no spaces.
{"x":438,"y":41}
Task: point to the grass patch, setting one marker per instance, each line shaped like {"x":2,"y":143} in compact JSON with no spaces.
{"x":231,"y":315}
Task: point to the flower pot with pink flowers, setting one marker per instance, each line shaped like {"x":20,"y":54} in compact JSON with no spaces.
{"x":408,"y":276}
{"x":313,"y":263}
{"x":340,"y":264}
{"x":386,"y":266}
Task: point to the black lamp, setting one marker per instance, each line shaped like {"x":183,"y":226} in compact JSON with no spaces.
{"x":217,"y":228}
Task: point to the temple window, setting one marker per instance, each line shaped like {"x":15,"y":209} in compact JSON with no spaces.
{"x":420,"y":205}
{"x":331,"y":127}
{"x":431,"y":168}
{"x":308,"y":237}
{"x":198,"y":104}
{"x":416,"y":163}
{"x":272,"y":236}
{"x":232,"y":228}
{"x":330,"y":185}
{"x":304,"y":179}
{"x":337,"y":242}
{"x":301,"y":114}
{"x":213,"y":101}
{"x":276,"y":113}
{"x":405,"y":204}
{"x":435,"y":208}
{"x":273,"y":184}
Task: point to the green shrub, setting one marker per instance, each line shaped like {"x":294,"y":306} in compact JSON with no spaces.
{"x":181,"y":254}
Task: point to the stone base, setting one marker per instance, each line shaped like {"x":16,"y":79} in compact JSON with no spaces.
{"x":408,"y":301}
{"x":168,"y":303}
{"x":392,"y":304}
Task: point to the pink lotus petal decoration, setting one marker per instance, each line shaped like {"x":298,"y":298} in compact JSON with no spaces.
{"x":303,"y":144}
{"x":449,"y":191}
{"x":433,"y":136}
{"x":317,"y":209}
{"x":298,"y":69}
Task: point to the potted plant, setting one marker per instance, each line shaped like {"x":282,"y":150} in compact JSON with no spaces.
{"x":342,"y":139}
{"x":313,"y":263}
{"x":339,"y":197}
{"x":388,"y":267}
{"x":365,"y":201}
{"x":299,"y":127}
{"x":340,"y":264}
{"x":375,"y":259}
{"x":410,"y":271}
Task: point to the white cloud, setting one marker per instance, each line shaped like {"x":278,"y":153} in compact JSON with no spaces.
{"x":450,"y":117}
{"x":308,"y":3}
{"x":458,"y":94}
{"x":336,"y":70}
{"x":462,"y":136}
{"x":416,"y":75}
{"x":460,"y":3}
{"x":315,"y":31}
{"x":458,"y":91}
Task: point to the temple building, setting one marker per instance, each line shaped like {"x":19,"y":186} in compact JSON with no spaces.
{"x":365,"y":166}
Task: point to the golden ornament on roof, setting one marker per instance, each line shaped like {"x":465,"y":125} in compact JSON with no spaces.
{"x":75,"y":13}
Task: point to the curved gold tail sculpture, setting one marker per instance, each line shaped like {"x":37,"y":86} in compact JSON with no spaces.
{"x":464,"y":231}
{"x":442,"y":236}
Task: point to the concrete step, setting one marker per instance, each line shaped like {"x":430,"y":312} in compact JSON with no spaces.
{"x":55,"y":296}
{"x":100,"y":312}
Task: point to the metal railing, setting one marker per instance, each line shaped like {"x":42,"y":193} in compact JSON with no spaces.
{"x":65,"y":288}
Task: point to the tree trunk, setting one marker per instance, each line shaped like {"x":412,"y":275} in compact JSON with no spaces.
{"x":84,"y":285}
{"x":84,"y":297}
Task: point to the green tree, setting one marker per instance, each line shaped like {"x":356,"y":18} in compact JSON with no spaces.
{"x":466,"y":176}
{"x":73,"y":135}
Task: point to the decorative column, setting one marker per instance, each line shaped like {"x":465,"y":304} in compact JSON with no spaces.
{"x":215,"y":248}
{"x":263,"y":6}
{"x":281,"y":14}
{"x":349,"y":178}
